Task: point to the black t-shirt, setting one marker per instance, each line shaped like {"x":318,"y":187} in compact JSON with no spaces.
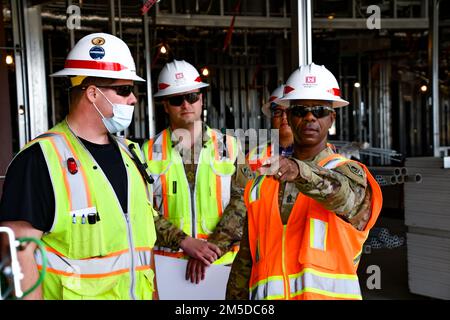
{"x":28,"y":191}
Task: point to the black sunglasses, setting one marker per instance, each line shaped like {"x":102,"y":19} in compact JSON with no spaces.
{"x":177,"y":101}
{"x":317,"y":111}
{"x":123,"y":90}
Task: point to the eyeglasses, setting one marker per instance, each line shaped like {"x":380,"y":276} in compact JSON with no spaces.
{"x":123,"y":90}
{"x":177,"y":101}
{"x":278,"y":113}
{"x":317,"y":111}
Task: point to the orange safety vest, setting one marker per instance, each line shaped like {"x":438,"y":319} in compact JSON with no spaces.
{"x":315,"y":255}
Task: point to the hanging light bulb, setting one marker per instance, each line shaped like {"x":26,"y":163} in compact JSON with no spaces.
{"x":205,"y":71}
{"x":423,"y":88}
{"x":163,"y":49}
{"x":357,"y":84}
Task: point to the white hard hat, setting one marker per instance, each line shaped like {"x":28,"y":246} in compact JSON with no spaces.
{"x":100,"y":55}
{"x":275,"y":97}
{"x":313,"y":82}
{"x":178,"y":77}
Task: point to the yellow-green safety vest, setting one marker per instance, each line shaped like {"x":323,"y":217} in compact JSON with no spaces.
{"x":111,"y":258}
{"x":172,"y":195}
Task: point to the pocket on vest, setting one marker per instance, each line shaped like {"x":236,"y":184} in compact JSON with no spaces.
{"x":175,"y":208}
{"x":145,"y":284}
{"x":315,"y":249}
{"x":86,"y":240}
{"x":76,"y":288}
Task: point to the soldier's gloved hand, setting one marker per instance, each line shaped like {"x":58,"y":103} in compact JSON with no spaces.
{"x":199,"y":249}
{"x":195,"y":270}
{"x":281,"y":168}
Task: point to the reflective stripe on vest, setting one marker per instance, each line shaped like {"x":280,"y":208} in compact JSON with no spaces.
{"x":333,"y":161}
{"x":318,"y":234}
{"x":332,"y":285}
{"x":157,"y":151}
{"x":76,"y":184}
{"x":309,"y":280}
{"x":270,"y":288}
{"x":255,"y":192}
{"x":110,"y":265}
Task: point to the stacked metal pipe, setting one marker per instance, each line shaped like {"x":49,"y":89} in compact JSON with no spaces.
{"x":382,"y":238}
{"x":388,"y":176}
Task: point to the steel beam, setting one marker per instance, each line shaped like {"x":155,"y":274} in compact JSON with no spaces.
{"x":386,"y":23}
{"x":222,"y":120}
{"x":434,"y":26}
{"x":197,"y":20}
{"x":151,"y":107}
{"x":112,"y":17}
{"x":249,"y":22}
{"x":17,"y":18}
{"x":71,"y":31}
{"x":304,"y":32}
{"x":36,"y":75}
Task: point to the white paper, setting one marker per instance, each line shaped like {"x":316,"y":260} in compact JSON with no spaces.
{"x":172,"y":285}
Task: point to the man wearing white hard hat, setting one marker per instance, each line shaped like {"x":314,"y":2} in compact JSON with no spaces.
{"x":276,"y":110}
{"x":198,"y":185}
{"x":83,"y":191}
{"x":310,"y":249}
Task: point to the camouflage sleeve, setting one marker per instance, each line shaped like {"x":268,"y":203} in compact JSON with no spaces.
{"x":362,"y":216}
{"x":228,"y":231}
{"x":168,"y":235}
{"x":238,"y":282}
{"x":343,"y":190}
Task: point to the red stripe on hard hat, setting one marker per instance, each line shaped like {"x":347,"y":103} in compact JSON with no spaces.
{"x":335,"y":91}
{"x":288,"y":89}
{"x":198,"y":79}
{"x":163,"y":86}
{"x":272,"y":98}
{"x":96,"y":65}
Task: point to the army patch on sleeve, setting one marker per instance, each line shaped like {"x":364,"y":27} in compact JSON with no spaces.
{"x":354,"y":172}
{"x":247,"y":172}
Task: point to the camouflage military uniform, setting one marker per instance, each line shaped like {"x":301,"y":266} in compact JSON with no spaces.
{"x":228,"y":231}
{"x":342,"y":190}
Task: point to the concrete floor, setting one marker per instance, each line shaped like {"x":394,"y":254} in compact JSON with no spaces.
{"x":392,"y":264}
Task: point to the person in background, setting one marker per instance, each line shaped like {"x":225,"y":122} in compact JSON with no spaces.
{"x":276,"y":110}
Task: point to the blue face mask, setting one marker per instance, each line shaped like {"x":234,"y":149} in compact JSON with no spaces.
{"x":122,"y":116}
